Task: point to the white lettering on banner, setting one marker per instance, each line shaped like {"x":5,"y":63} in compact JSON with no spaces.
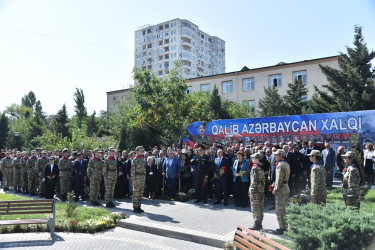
{"x":312,"y":125}
{"x":341,"y":125}
{"x":244,"y":129}
{"x":294,"y":129}
{"x":251,"y":128}
{"x":280,"y":128}
{"x":287,"y":126}
{"x":265,"y":127}
{"x":360,"y":122}
{"x":214,"y":130}
{"x":352,"y":123}
{"x":235,"y":129}
{"x":272,"y":127}
{"x":324,"y":124}
{"x":334,"y":125}
{"x":221,"y":131}
{"x":258,"y":128}
{"x":303,"y":126}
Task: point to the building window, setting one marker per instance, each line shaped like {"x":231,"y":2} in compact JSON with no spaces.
{"x":248,"y":84}
{"x":189,"y":89}
{"x":249,"y":105}
{"x":227,"y":87}
{"x":205,"y":87}
{"x":300,"y":75}
{"x":275,"y":80}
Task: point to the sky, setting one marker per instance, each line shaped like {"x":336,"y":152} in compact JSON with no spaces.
{"x":53,"y":47}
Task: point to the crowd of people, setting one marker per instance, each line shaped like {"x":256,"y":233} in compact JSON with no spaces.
{"x":251,"y":173}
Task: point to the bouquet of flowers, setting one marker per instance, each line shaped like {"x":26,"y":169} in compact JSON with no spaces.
{"x":270,"y":188}
{"x":219,"y":173}
{"x":241,"y":173}
{"x":204,"y":182}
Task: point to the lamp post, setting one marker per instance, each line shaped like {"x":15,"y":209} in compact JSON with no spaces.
{"x":16,"y":134}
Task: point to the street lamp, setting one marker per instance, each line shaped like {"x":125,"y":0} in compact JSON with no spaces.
{"x":16,"y":134}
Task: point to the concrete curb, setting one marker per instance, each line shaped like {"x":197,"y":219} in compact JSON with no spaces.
{"x":175,"y":232}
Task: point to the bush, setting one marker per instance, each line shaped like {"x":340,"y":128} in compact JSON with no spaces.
{"x":333,"y":226}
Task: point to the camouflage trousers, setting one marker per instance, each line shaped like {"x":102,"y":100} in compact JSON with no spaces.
{"x":24,"y":178}
{"x":32,"y":179}
{"x":64,"y":184}
{"x":7,"y":177}
{"x":42,"y":185}
{"x":257,"y":206}
{"x":94,"y":188}
{"x":110,"y":189}
{"x":355,"y":201}
{"x":17,"y":182}
{"x":281,"y":199}
{"x":138,"y":190}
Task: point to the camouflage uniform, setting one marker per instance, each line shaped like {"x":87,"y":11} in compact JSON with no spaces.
{"x":350,"y":186}
{"x":32,"y":174}
{"x":282,"y":191}
{"x":24,"y":173}
{"x":65,"y":167}
{"x":39,"y":167}
{"x":257,"y":183}
{"x":17,"y":173}
{"x":318,"y":184}
{"x":110,"y":173}
{"x":7,"y":170}
{"x":94,"y":173}
{"x":138,"y":173}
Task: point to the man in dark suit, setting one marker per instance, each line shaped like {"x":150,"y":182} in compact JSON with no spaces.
{"x":172,"y":171}
{"x":159,"y":165}
{"x":80,"y":176}
{"x":329,"y":160}
{"x":221,"y":165}
{"x":307,"y":172}
{"x":51,"y":173}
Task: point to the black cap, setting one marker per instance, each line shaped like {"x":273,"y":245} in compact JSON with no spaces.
{"x":201,"y":147}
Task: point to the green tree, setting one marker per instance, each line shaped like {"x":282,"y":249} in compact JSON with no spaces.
{"x":4,"y":129}
{"x":92,"y":125}
{"x":352,"y":86}
{"x":62,"y":123}
{"x":272,"y":104}
{"x":29,"y":100}
{"x":79,"y":108}
{"x":38,"y":110}
{"x":217,"y":107}
{"x":295,"y":97}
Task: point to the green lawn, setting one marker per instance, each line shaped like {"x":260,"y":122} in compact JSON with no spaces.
{"x":367,"y":201}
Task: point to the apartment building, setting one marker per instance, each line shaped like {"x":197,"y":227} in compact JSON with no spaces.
{"x":158,"y":46}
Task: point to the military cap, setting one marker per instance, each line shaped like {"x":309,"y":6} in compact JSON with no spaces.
{"x":24,"y":152}
{"x":252,"y":141}
{"x":349,"y":154}
{"x":33,"y":151}
{"x":18,"y":153}
{"x":257,"y":155}
{"x":7,"y":152}
{"x":65,"y":150}
{"x":315,"y":153}
{"x":79,"y":154}
{"x":220,"y":145}
{"x":201,"y":147}
{"x":96,"y":150}
{"x":38,"y":148}
{"x":44,"y":152}
{"x":111,"y":149}
{"x":279,"y":152}
{"x":52,"y":157}
{"x":139,"y":148}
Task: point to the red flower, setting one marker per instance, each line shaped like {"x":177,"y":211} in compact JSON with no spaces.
{"x":270,"y":188}
{"x":225,"y":169}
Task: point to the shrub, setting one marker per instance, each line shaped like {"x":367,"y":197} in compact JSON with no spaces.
{"x":333,"y":226}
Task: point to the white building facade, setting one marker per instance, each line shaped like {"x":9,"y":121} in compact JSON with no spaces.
{"x":158,"y":46}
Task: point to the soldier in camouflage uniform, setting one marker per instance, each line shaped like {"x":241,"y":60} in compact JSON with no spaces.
{"x":110,"y":177}
{"x":351,"y":181}
{"x":94,"y":172}
{"x":281,"y":189}
{"x":256,"y":191}
{"x":318,"y":178}
{"x":138,"y":173}
{"x":65,"y":167}
{"x":25,"y":157}
{"x":17,"y":172}
{"x":32,"y":175}
{"x":6,"y":168}
{"x":39,"y":166}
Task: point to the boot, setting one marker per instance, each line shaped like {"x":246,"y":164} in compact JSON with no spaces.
{"x":109,"y":205}
{"x":257,"y":226}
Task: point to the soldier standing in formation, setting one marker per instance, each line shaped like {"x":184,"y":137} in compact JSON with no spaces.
{"x":351,"y":181}
{"x":6,"y":168}
{"x":65,"y":167}
{"x":281,"y":189}
{"x":39,"y":166}
{"x":31,"y":173}
{"x":202,"y":168}
{"x":94,"y":173}
{"x":138,"y":174}
{"x":110,"y":177}
{"x":24,"y":159}
{"x":17,"y":172}
{"x":256,"y":191}
{"x":318,"y":178}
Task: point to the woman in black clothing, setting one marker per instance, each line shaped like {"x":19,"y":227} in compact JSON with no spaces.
{"x":151,"y":177}
{"x":120,"y":188}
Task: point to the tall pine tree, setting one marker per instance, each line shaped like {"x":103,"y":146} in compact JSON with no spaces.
{"x":295,"y":97}
{"x":79,"y":108}
{"x":352,"y":87}
{"x":272,"y":104}
{"x":4,"y":129}
{"x":62,"y":120}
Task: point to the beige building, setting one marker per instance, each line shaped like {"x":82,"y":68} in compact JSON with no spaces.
{"x":247,"y":86}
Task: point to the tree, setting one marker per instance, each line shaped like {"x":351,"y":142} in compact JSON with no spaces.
{"x":38,"y":110}
{"x":295,"y":97}
{"x":62,"y":123}
{"x":217,"y":107}
{"x":4,"y":129}
{"x":92,"y":125}
{"x":79,"y":108}
{"x":352,"y":86}
{"x":29,"y":100}
{"x":272,"y":104}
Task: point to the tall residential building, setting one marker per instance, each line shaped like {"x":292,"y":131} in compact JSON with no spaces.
{"x":158,"y":46}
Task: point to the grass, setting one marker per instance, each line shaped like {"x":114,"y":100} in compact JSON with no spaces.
{"x":334,"y":195}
